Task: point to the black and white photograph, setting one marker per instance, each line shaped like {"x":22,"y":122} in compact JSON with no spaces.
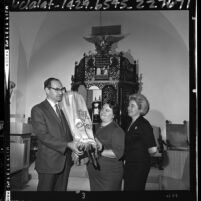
{"x":101,"y":101}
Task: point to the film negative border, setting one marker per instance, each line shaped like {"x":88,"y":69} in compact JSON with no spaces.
{"x":95,"y":5}
{"x":74,"y":5}
{"x":6,"y":129}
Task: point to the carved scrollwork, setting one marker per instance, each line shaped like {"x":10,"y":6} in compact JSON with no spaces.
{"x":79,"y":71}
{"x":89,"y":68}
{"x":114,"y":71}
{"x":109,"y":94}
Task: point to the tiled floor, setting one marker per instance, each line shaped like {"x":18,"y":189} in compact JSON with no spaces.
{"x":78,"y":180}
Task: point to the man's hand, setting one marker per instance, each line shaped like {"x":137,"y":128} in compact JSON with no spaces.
{"x":73,"y":146}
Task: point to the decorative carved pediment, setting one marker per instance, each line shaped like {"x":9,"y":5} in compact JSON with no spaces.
{"x":103,"y":43}
{"x":114,"y":76}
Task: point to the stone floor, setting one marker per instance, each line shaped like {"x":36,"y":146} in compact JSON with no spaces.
{"x":78,"y":180}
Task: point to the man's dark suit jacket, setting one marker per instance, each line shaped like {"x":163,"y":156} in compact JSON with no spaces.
{"x":52,"y":139}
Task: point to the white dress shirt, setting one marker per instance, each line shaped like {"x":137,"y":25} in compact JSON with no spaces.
{"x":52,"y":103}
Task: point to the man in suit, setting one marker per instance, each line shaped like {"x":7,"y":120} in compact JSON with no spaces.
{"x":55,"y":143}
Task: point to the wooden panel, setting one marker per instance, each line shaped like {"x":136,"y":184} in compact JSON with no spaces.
{"x":177,"y":135}
{"x":19,"y":179}
{"x":19,"y":152}
{"x":16,"y":156}
{"x":176,"y":163}
{"x":176,"y":174}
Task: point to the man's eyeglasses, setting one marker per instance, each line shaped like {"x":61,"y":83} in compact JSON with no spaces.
{"x":58,"y":89}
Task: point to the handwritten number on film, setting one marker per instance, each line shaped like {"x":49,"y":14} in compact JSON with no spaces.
{"x":113,"y":3}
{"x":78,"y":4}
{"x":171,"y":3}
{"x":123,"y":4}
{"x":99,"y":4}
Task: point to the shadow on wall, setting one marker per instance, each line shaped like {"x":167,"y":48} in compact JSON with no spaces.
{"x":156,"y":118}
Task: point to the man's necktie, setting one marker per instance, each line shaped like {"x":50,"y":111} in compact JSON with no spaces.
{"x":61,"y":118}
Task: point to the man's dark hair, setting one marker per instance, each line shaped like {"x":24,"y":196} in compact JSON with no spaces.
{"x":47,"y":83}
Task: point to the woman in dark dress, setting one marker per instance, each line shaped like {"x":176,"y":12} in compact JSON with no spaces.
{"x":139,"y":145}
{"x":110,"y":139}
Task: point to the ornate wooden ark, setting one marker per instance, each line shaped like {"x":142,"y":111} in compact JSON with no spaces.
{"x":105,"y":76}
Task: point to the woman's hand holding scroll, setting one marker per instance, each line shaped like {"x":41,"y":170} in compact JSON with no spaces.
{"x":98,"y":145}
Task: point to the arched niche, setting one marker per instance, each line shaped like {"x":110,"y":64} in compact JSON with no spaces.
{"x":95,"y":94}
{"x":94,"y":102}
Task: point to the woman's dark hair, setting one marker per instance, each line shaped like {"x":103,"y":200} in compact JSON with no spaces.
{"x":47,"y":83}
{"x":114,"y":107}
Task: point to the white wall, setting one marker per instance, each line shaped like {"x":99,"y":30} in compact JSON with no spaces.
{"x":44,"y":44}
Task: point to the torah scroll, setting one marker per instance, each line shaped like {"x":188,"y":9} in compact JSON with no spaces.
{"x":78,"y":118}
